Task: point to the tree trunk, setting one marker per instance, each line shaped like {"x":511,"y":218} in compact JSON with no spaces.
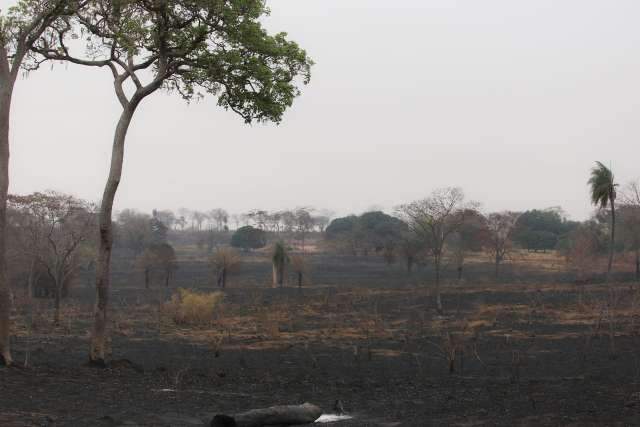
{"x":637,"y":265}
{"x":438,"y":297}
{"x":299,"y":279}
{"x":275,"y":274}
{"x":103,"y":266}
{"x":409,"y":264}
{"x":613,"y":237}
{"x":146,"y":277}
{"x":167,"y":276}
{"x":224,"y":278}
{"x":6,"y":90}
{"x":56,"y":305}
{"x":30,"y":279}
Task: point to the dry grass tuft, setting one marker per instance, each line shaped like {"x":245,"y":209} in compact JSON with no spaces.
{"x":192,"y":308}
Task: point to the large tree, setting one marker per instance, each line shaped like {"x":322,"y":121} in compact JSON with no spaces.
{"x":20,"y":27}
{"x":602,"y":188}
{"x":193,"y":47}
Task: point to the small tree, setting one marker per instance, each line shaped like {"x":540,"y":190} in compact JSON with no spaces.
{"x":500,"y":227}
{"x":280,"y":259}
{"x":300,"y":267}
{"x":433,"y":220}
{"x":224,"y":262}
{"x":158,"y":257}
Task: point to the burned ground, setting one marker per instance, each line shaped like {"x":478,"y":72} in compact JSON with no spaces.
{"x":500,"y":355}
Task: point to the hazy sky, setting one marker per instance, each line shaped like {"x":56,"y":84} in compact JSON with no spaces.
{"x":511,"y":100}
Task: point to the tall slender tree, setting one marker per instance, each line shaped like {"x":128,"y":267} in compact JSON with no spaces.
{"x":193,"y":47}
{"x":603,"y":193}
{"x":20,"y":27}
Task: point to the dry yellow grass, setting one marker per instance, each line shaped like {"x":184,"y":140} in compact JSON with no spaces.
{"x":188,"y":307}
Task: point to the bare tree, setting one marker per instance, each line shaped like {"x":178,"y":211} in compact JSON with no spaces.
{"x":629,"y":212}
{"x":64,"y":223}
{"x":300,"y":267}
{"x":304,"y":223}
{"x":500,"y":227}
{"x":220,"y":217}
{"x":167,"y":217}
{"x":224,"y":262}
{"x":433,"y":220}
{"x":197,"y":219}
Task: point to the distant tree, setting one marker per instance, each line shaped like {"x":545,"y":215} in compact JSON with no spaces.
{"x":181,"y":222}
{"x":65,"y":224}
{"x":433,"y":220}
{"x":147,"y":261}
{"x":288,"y":220}
{"x":500,"y":227}
{"x":197,"y":219}
{"x":630,"y":213}
{"x":158,"y":257}
{"x":469,"y":238}
{"x":580,"y":249}
{"x":158,"y":228}
{"x":629,"y":221}
{"x":379,"y":231}
{"x":411,"y":247}
{"x":300,"y":267}
{"x":280,"y":260}
{"x":220,"y":217}
{"x":303,"y":224}
{"x":224,"y":262}
{"x":371,"y":231}
{"x":344,"y":232}
{"x":133,"y":231}
{"x":541,"y":230}
{"x":249,"y":237}
{"x":237,"y":220}
{"x":321,"y":221}
{"x":167,"y":218}
{"x":603,"y":193}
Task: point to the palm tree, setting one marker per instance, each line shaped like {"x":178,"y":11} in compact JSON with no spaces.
{"x":603,"y":193}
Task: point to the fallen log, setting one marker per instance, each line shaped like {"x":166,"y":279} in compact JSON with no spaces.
{"x":275,"y":415}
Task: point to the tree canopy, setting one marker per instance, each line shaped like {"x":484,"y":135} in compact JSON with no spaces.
{"x":249,"y":237}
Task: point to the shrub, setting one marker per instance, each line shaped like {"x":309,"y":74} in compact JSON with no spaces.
{"x":188,"y":307}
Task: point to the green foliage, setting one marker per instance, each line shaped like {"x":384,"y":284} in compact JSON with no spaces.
{"x":249,"y":237}
{"x":541,"y":229}
{"x":195,"y":47}
{"x":369,"y":231}
{"x":602,"y":186}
